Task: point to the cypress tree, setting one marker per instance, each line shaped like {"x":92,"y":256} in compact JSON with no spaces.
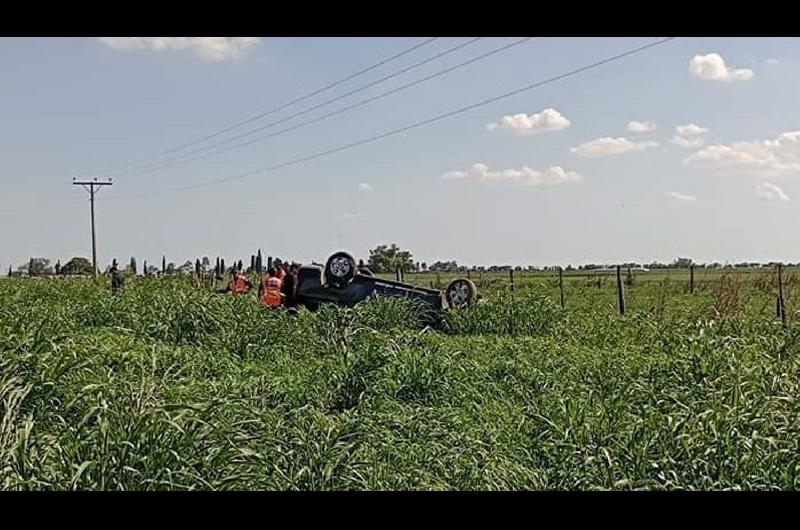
{"x":163,"y":264}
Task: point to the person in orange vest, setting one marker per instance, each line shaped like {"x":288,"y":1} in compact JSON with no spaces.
{"x":240,"y":284}
{"x":271,"y":295}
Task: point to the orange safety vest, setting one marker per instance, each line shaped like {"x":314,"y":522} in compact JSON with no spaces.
{"x":239,"y":285}
{"x":271,"y":294}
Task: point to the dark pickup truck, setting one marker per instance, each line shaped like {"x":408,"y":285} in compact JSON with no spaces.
{"x":341,"y":282}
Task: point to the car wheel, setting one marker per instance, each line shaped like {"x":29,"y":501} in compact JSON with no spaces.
{"x":340,"y":269}
{"x":461,"y":293}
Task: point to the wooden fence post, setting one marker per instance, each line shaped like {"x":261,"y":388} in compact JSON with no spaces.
{"x":561,"y":285}
{"x":691,"y":279}
{"x":781,"y":307}
{"x":620,"y":293}
{"x":511,"y":277}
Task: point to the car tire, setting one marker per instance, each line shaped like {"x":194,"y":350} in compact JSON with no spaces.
{"x":340,"y":269}
{"x":461,"y":293}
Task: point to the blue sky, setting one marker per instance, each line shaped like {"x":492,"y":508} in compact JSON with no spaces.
{"x":560,"y":180}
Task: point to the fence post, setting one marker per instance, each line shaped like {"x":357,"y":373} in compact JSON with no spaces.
{"x":781,"y":307}
{"x":691,"y":279}
{"x":561,"y":285}
{"x":620,"y":293}
{"x":511,"y":277}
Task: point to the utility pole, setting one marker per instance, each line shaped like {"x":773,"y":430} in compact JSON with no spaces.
{"x":90,"y":185}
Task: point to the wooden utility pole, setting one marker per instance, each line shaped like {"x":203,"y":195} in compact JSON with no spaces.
{"x":691,"y":279}
{"x":90,"y":186}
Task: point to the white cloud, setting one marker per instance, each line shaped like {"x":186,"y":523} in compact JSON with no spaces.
{"x":610,"y":146}
{"x":546,"y":120}
{"x":690,"y":135}
{"x":348,"y":215}
{"x":711,"y":67}
{"x":641,"y":126}
{"x":209,"y":48}
{"x":764,"y":158}
{"x":364,"y":186}
{"x":525,"y":175}
{"x":681,"y":197}
{"x":770,"y":192}
{"x":691,"y":130}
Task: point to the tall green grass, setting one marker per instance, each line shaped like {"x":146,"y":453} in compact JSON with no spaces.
{"x":167,"y":386}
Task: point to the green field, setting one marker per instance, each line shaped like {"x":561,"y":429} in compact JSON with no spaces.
{"x":169,"y":386}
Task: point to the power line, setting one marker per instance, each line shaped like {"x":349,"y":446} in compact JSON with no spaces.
{"x":158,"y":164}
{"x":415,"y":125}
{"x":280,"y":107}
{"x":343,"y":109}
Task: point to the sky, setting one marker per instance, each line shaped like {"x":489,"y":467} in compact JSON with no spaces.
{"x":687,"y":149}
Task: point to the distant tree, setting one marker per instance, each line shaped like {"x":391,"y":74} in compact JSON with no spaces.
{"x":39,"y":267}
{"x":682,"y":263}
{"x":58,"y":267}
{"x":144,"y":268}
{"x":171,"y":268}
{"x":222,"y":268}
{"x":163,"y":264}
{"x":239,"y":266}
{"x":217,"y":270}
{"x":424,"y":266}
{"x":444,"y":266}
{"x":187,"y":268}
{"x":133,"y":265}
{"x":77,"y":266}
{"x":385,"y":258}
{"x":205,"y":263}
{"x":252,"y":262}
{"x":197,"y":268}
{"x":259,"y":263}
{"x":9,"y":271}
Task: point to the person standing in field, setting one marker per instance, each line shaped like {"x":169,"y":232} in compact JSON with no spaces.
{"x":280,"y":271}
{"x":271,"y":295}
{"x":289,"y":287}
{"x":117,"y":280}
{"x":239,"y":284}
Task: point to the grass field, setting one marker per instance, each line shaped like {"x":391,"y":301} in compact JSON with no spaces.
{"x":169,"y":386}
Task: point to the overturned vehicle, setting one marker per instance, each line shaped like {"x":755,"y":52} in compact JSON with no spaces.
{"x":342,"y":282}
